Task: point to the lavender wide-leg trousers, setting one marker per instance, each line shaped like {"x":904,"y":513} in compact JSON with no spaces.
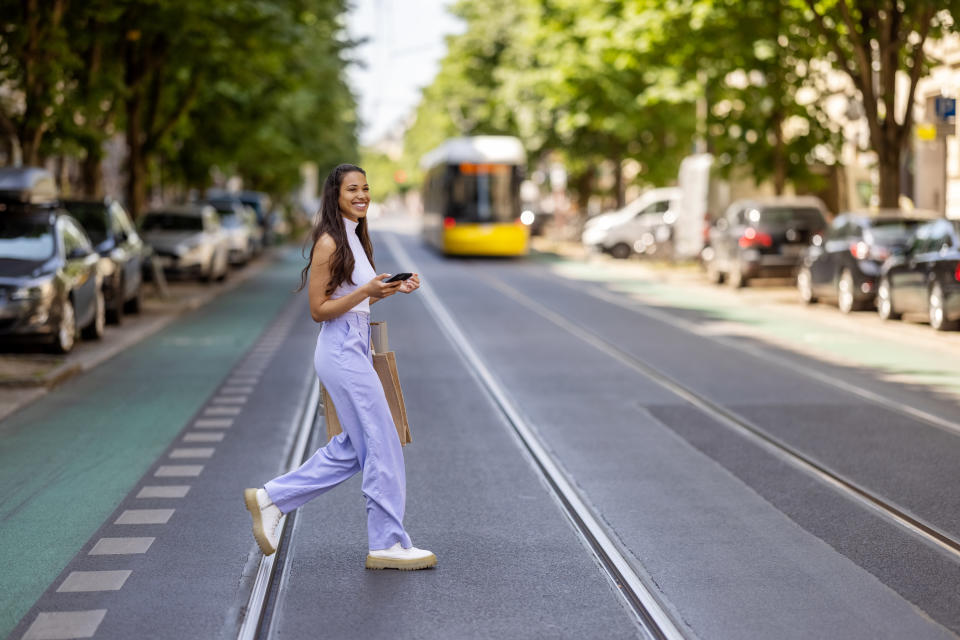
{"x":369,"y":441}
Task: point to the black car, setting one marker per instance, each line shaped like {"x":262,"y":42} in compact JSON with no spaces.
{"x":843,"y":265}
{"x":926,"y":277}
{"x":124,"y":252}
{"x":762,"y":238}
{"x":50,"y":283}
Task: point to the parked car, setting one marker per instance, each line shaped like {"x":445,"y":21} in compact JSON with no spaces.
{"x":926,"y":277}
{"x":122,"y":250}
{"x":240,"y":225}
{"x":762,"y":237}
{"x":188,"y":241}
{"x":843,"y":265}
{"x":50,"y":283}
{"x":258,"y":201}
{"x":622,"y":232}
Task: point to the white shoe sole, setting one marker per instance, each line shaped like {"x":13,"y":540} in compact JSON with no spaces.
{"x":373,"y":562}
{"x":250,"y":499}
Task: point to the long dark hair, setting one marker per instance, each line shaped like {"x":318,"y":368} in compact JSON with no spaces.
{"x":329,"y":220}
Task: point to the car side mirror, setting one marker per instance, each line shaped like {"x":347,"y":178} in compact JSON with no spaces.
{"x":78,"y":253}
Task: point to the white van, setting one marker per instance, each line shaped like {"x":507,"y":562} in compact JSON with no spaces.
{"x":632,"y":228}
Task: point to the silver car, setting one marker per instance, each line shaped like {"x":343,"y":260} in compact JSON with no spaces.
{"x":188,"y":240}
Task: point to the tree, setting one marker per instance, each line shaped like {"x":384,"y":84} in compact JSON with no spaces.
{"x":872,"y":41}
{"x":33,"y":57}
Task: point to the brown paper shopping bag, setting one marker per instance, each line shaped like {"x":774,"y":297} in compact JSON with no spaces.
{"x":385,"y":364}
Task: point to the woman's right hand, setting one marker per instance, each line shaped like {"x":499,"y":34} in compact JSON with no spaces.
{"x":378,"y":290}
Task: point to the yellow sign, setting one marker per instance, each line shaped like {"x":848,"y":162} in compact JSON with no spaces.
{"x":926,"y":131}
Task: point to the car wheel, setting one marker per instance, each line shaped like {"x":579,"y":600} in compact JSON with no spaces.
{"x":115,"y":315}
{"x":621,"y":251}
{"x":66,"y":335}
{"x":135,"y":304}
{"x":845,"y":297}
{"x":885,"y":301}
{"x":94,"y":330}
{"x":805,"y":286}
{"x":938,"y":314}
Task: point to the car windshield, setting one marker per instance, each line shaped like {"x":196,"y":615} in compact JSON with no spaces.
{"x":172,"y":222}
{"x":93,"y":217}
{"x":807,"y":217}
{"x":25,"y":239}
{"x":890,"y":231}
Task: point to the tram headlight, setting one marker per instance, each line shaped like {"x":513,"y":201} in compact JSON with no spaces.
{"x":527,"y":217}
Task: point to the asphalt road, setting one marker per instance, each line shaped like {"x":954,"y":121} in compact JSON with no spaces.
{"x":739,"y":543}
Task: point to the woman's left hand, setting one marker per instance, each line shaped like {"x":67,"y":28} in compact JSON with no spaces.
{"x":411,"y":284}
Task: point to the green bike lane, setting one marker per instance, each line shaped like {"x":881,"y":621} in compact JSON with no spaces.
{"x":67,"y":460}
{"x":846,"y":341}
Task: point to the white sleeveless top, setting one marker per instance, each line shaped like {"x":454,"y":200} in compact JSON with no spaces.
{"x":362,"y":269}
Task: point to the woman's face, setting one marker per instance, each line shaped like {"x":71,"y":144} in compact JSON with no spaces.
{"x":354,"y":195}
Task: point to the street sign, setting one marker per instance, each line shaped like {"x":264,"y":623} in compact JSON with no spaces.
{"x":945,"y":108}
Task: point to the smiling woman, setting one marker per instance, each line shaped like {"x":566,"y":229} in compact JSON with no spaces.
{"x":341,"y":258}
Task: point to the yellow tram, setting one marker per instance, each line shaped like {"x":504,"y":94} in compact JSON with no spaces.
{"x":471,"y":197}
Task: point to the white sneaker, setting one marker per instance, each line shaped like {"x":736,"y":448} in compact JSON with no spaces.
{"x":396,"y":557}
{"x":266,"y":517}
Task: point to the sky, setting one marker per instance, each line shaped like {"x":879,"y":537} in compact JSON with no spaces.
{"x":402,"y":55}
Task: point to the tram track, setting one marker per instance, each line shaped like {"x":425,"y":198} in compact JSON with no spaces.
{"x":271,"y":573}
{"x":900,"y":516}
{"x":635,"y":587}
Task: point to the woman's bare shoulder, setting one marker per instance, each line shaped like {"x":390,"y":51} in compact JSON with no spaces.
{"x":324,"y":247}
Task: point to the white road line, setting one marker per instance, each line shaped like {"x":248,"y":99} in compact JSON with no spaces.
{"x":167,"y":491}
{"x":204,"y":437}
{"x":144,"y":516}
{"x":65,"y":625}
{"x":230,"y":400}
{"x":178,"y":471}
{"x":222,"y":411}
{"x":120,"y":546}
{"x":192,"y":452}
{"x":232,"y":390}
{"x":83,"y":581}
{"x":214,"y":423}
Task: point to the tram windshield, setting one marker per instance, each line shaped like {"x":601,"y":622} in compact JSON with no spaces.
{"x":484,"y":192}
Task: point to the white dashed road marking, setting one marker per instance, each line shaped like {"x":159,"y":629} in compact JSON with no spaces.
{"x":192,"y":452}
{"x":203,"y":437}
{"x":65,"y":625}
{"x":120,"y":546}
{"x":230,"y":400}
{"x":214,"y":423}
{"x":81,"y":581}
{"x":144,"y":516}
{"x":222,"y":411}
{"x":172,"y":491}
{"x":178,"y":470}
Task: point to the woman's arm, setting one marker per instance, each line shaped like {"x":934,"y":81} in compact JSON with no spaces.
{"x":321,"y":306}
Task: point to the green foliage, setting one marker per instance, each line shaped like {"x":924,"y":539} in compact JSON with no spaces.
{"x":252,"y":87}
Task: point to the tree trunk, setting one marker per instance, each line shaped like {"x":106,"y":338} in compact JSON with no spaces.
{"x":92,"y":172}
{"x":889,"y":171}
{"x":618,"y":185}
{"x":779,"y":154}
{"x":136,"y":158}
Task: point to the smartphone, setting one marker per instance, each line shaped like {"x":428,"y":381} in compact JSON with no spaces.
{"x":398,"y":277}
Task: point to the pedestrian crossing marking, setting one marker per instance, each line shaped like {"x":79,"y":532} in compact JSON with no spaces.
{"x":230,"y":399}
